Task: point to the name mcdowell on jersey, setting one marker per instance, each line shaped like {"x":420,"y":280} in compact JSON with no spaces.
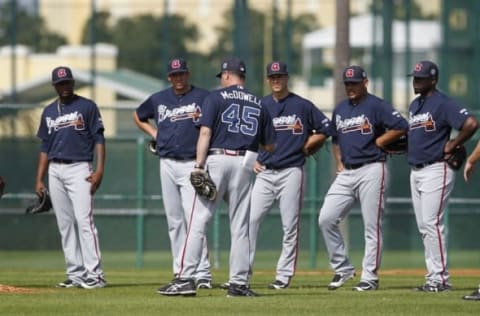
{"x":184,"y":112}
{"x":357,"y":123}
{"x":288,"y":122}
{"x":422,"y":120}
{"x":74,"y":119}
{"x":240,"y":95}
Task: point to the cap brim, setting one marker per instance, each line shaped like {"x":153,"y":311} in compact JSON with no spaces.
{"x":277,"y":73}
{"x":419,"y":76}
{"x":61,"y":80}
{"x":177,"y":71}
{"x":219,"y":74}
{"x":354,"y":80}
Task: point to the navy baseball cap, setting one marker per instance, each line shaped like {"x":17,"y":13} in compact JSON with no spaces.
{"x":60,"y":74}
{"x":233,"y":64}
{"x":425,"y":69}
{"x":177,"y":65}
{"x":276,"y":68}
{"x":354,"y":74}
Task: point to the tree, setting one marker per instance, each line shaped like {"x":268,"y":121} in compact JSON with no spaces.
{"x":103,"y":32}
{"x":256,"y":42}
{"x":28,"y":30}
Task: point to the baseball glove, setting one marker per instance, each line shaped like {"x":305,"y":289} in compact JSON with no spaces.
{"x":43,"y":204}
{"x":457,"y":157}
{"x":397,"y":147}
{"x":2,"y":186}
{"x":203,"y":184}
{"x":152,"y":146}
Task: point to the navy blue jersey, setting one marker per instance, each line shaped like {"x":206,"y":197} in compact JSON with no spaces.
{"x":358,"y":126}
{"x":294,"y":119}
{"x":70,"y":131}
{"x":431,"y":120}
{"x":175,"y":117}
{"x":237,"y":120}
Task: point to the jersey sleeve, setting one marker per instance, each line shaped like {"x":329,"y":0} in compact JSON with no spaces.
{"x":209,"y":111}
{"x":391,"y":118}
{"x":96,"y":125}
{"x":267,"y":133}
{"x":455,"y":114}
{"x":146,"y":111}
{"x":320,"y":124}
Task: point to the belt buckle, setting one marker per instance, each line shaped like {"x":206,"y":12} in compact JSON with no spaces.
{"x":230,"y":152}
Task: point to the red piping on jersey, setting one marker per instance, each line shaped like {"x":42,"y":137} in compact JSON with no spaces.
{"x":379,"y":219}
{"x":188,"y":233}
{"x":437,"y":224}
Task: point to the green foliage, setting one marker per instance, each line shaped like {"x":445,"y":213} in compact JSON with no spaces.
{"x":28,"y":30}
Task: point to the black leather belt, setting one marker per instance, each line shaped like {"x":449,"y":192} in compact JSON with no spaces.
{"x":358,"y":165}
{"x":228,"y":152}
{"x":63,"y":161}
{"x":423,"y":165}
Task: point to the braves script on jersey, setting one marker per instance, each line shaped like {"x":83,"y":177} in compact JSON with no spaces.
{"x":174,"y":115}
{"x":357,"y":127}
{"x":431,"y":121}
{"x":69,"y":131}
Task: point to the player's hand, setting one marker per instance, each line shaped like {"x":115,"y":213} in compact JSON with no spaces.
{"x":258,"y":167}
{"x":40,"y":188}
{"x":468,"y":170}
{"x":340,"y":167}
{"x":449,"y":147}
{"x":95,"y":179}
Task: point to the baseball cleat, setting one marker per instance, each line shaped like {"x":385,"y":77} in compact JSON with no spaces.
{"x":240,"y":290}
{"x":225,"y":286}
{"x":93,"y":283}
{"x":278,"y":285}
{"x":434,"y":288}
{"x":366,"y":286}
{"x":185,"y":287}
{"x":475,"y":296}
{"x":204,"y":284}
{"x":339,"y":280}
{"x":67,"y":284}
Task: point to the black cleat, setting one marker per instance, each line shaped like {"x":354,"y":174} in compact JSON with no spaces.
{"x":240,"y":290}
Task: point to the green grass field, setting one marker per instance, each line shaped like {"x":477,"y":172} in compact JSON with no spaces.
{"x":132,"y":291}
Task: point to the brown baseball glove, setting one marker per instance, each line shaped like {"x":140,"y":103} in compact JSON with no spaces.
{"x":457,"y":157}
{"x":203,"y":184}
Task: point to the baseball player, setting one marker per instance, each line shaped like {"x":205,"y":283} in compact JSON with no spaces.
{"x":71,"y":133}
{"x":467,"y":174}
{"x":363,"y":125}
{"x":432,"y":116}
{"x":233,"y":125}
{"x":280,"y":174}
{"x":175,"y":111}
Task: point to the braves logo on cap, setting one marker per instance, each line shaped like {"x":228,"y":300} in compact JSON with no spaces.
{"x":275,"y":67}
{"x":349,"y":73}
{"x":61,"y":73}
{"x":175,"y":64}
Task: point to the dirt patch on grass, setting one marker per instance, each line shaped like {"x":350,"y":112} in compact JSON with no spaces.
{"x":15,"y":290}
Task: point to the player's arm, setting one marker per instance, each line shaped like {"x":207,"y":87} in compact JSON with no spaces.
{"x":470,"y":164}
{"x":96,"y":177}
{"x":469,"y":127}
{"x":337,"y":154}
{"x":389,"y":137}
{"x":145,"y":126}
{"x":41,"y":171}
{"x":203,"y":144}
{"x":314,"y":143}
